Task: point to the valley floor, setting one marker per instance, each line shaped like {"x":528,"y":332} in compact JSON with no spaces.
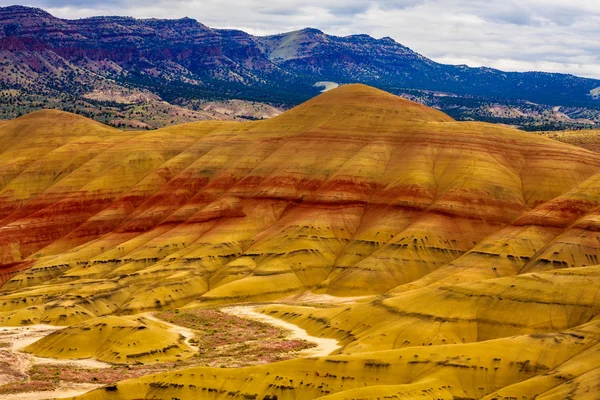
{"x":41,"y":378}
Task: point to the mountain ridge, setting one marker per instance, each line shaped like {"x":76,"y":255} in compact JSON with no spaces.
{"x":182,"y":61}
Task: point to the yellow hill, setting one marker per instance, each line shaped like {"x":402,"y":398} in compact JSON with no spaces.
{"x":477,"y":242}
{"x":354,"y":192}
{"x":355,"y":108}
{"x":116,"y":340}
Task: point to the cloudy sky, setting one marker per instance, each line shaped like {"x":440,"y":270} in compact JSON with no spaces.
{"x":516,"y":35}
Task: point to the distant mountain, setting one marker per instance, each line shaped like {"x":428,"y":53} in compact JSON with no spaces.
{"x":108,"y":62}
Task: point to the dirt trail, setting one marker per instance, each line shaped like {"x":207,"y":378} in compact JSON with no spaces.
{"x":14,"y":363}
{"x":324,"y":346}
{"x":309,"y":297}
{"x":64,"y":390}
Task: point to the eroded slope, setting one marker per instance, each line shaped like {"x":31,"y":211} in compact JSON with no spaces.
{"x":478,"y":243}
{"x":355,"y":192}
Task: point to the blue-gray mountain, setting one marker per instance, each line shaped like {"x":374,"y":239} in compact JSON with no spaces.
{"x":110,"y":62}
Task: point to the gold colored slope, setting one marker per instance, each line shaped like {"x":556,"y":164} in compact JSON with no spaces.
{"x":354,"y":108}
{"x":116,"y":340}
{"x":354,"y":192}
{"x":536,"y":303}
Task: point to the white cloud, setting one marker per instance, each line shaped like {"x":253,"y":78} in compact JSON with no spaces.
{"x":515,"y":35}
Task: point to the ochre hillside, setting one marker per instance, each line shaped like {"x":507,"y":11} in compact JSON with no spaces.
{"x":118,"y":340}
{"x":479,"y":244}
{"x":355,"y":192}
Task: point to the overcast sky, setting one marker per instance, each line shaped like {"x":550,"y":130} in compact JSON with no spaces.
{"x":516,"y":35}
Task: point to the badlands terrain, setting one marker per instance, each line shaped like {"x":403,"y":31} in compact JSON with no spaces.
{"x":358,"y":246}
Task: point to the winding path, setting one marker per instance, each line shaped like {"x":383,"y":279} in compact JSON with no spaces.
{"x":324,"y":347}
{"x":64,"y":390}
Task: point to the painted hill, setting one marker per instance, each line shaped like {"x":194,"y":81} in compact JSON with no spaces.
{"x":355,"y":192}
{"x":102,"y":66}
{"x":479,"y":244}
{"x":117,"y":340}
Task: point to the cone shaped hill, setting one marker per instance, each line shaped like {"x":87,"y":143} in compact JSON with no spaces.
{"x":477,"y":245}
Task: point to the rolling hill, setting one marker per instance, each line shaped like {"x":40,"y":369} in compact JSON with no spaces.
{"x":475,"y":245}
